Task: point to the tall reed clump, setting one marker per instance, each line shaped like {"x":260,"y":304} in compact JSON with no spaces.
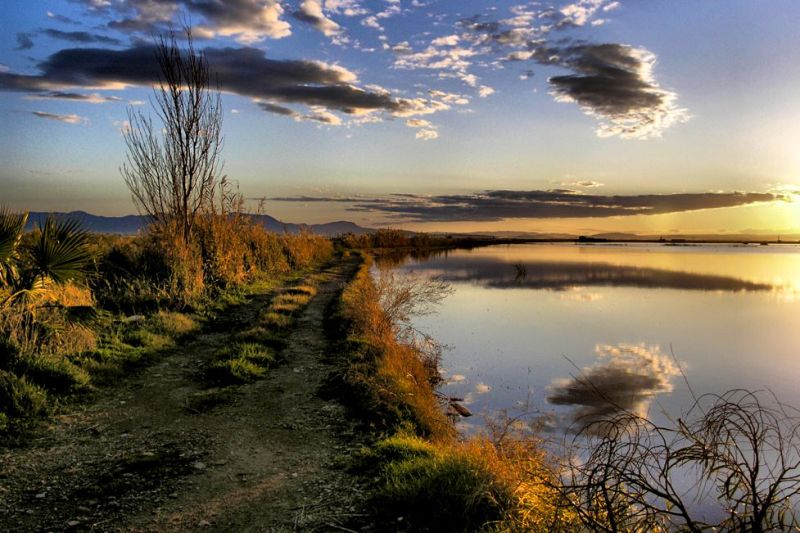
{"x":388,"y":382}
{"x":429,"y":479}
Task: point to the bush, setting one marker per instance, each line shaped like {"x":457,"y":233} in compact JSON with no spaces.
{"x":20,"y":400}
{"x":53,"y":373}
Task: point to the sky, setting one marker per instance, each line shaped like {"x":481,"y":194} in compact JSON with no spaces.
{"x":577,"y":116}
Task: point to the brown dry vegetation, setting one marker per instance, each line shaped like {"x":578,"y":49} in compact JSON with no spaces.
{"x":136,"y":298}
{"x":429,"y":479}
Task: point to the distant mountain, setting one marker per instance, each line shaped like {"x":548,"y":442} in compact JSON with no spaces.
{"x":130,"y":224}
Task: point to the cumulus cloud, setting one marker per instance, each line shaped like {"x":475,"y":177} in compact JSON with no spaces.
{"x":244,"y":71}
{"x":427,"y":134}
{"x":612,"y":82}
{"x":615,"y":83}
{"x":246,"y":20}
{"x":625,"y":379}
{"x":498,"y":205}
{"x":310,"y":11}
{"x":485,"y":91}
{"x":69,"y":119}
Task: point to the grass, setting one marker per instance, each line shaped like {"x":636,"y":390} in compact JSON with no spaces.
{"x":240,"y":363}
{"x":425,"y":478}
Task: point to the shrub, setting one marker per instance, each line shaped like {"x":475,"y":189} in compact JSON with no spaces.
{"x":53,"y":373}
{"x":306,"y":250}
{"x":20,"y":400}
{"x":171,"y":323}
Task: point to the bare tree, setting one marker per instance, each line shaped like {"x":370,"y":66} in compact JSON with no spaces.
{"x":174,"y":167}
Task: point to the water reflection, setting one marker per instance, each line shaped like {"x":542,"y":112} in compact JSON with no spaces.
{"x":496,"y":273}
{"x":625,"y":379}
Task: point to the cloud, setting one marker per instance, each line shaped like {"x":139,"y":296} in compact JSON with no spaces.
{"x":69,"y":119}
{"x":614,"y":83}
{"x":24,"y":41}
{"x":247,"y":21}
{"x":485,"y":91}
{"x":625,"y":380}
{"x":611,"y":82}
{"x":584,"y":184}
{"x":244,"y":71}
{"x":310,"y":12}
{"x":317,"y":114}
{"x":498,"y":205}
{"x":348,"y":8}
{"x":93,"y":98}
{"x":80,"y":37}
{"x":418,"y":123}
{"x":427,"y":134}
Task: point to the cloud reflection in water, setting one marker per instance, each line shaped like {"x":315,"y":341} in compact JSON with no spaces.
{"x":625,"y":379}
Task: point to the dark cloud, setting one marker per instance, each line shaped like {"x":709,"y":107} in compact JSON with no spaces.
{"x":614,"y":82}
{"x":317,"y":115}
{"x":24,"y":41}
{"x":624,"y":381}
{"x":244,"y":71}
{"x":555,"y":203}
{"x":80,"y":36}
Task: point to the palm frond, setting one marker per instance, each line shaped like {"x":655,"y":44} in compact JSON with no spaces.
{"x":60,"y":252}
{"x":11,"y":227}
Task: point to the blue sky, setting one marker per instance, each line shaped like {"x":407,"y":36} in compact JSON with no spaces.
{"x":448,"y":102}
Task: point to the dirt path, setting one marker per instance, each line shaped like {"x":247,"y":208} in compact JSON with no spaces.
{"x":270,"y":459}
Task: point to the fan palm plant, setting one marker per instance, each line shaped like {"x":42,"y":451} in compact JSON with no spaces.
{"x":57,"y":254}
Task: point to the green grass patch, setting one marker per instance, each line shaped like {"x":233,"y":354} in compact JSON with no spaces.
{"x":234,"y":371}
{"x":275,"y":320}
{"x":240,"y":363}
{"x":20,"y":401}
{"x":53,"y":373}
{"x":435,"y":488}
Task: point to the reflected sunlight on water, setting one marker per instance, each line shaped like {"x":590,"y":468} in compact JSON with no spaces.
{"x":526,"y":318}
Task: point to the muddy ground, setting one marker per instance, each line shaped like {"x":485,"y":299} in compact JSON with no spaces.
{"x":144,"y":456}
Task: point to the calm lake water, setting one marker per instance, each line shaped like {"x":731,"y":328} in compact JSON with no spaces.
{"x":525,"y":321}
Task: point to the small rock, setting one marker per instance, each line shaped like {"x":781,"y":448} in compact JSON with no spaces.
{"x":73,"y":523}
{"x":199,"y":465}
{"x":173,"y":495}
{"x":41,"y":495}
{"x":204,"y":523}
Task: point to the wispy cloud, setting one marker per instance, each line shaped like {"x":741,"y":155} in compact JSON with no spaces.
{"x":80,"y":36}
{"x":69,"y":119}
{"x":556,"y":203}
